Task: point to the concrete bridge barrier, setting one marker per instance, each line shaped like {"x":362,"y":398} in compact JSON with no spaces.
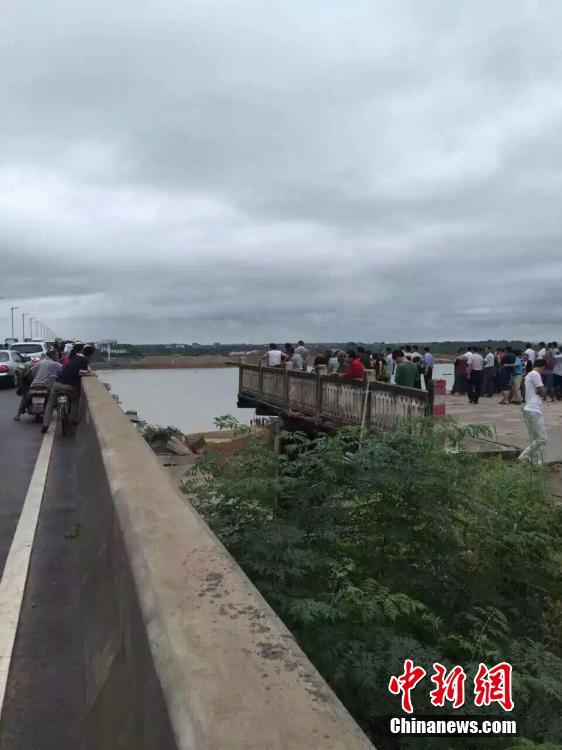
{"x":182,"y":652}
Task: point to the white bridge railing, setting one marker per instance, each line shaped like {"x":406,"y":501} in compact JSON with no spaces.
{"x":331,"y":399}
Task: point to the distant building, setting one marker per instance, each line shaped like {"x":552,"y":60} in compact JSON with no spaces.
{"x":114,"y":347}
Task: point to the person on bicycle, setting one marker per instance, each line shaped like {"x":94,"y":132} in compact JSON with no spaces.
{"x":68,"y":381}
{"x":42,"y":375}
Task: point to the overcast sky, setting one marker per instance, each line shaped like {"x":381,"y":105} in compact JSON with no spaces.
{"x":248,"y":171}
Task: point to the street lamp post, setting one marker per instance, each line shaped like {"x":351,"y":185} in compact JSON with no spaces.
{"x":23,"y":316}
{"x":12,"y":314}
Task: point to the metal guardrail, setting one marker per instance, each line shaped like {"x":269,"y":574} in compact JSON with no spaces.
{"x":332,"y":399}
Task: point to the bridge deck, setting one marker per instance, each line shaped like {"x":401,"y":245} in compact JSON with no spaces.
{"x":44,"y":698}
{"x":508,"y":423}
{"x":327,"y":400}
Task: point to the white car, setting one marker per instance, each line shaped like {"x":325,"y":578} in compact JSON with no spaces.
{"x":10,"y":361}
{"x":32,"y":351}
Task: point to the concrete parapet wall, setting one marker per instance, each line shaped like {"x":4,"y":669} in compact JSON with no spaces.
{"x":182,"y":651}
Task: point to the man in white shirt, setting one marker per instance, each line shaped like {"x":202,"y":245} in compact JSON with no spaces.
{"x":535,"y":392}
{"x":274,"y":356}
{"x":541,"y":354}
{"x":530,"y":352}
{"x":489,"y":378}
{"x":475,"y":373}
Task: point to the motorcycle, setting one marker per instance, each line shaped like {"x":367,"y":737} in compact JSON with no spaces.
{"x":37,"y":402}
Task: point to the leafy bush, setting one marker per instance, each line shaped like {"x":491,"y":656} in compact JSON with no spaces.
{"x":390,"y":548}
{"x":156,"y":435}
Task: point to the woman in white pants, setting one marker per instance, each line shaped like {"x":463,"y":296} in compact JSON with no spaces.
{"x":535,"y":393}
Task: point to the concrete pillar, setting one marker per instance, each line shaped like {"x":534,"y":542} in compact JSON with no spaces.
{"x":439,"y":397}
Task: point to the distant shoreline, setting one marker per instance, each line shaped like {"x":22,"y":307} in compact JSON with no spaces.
{"x":192,"y":363}
{"x":166,"y":363}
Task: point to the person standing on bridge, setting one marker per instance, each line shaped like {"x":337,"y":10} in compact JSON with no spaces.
{"x":517,"y":377}
{"x":506,"y":375}
{"x":428,"y":363}
{"x":274,"y":356}
{"x":294,"y":359}
{"x":406,"y":372}
{"x":390,"y":364}
{"x":76,"y":349}
{"x":69,"y":381}
{"x":355,"y":368}
{"x":489,"y":377}
{"x":475,"y":372}
{"x":333,"y":363}
{"x":535,"y":393}
{"x":531,"y":356}
{"x":303,"y":351}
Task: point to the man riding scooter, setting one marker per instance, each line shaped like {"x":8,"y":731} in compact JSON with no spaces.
{"x":42,"y":376}
{"x":68,"y":382}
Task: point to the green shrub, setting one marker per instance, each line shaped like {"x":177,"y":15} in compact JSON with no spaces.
{"x":394,"y":548}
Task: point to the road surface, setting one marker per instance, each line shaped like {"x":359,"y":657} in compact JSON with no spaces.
{"x":41,"y":678}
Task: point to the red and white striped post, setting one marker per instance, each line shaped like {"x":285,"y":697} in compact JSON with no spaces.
{"x":439,"y":397}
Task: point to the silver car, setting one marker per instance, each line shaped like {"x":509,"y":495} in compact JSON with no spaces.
{"x":10,"y":363}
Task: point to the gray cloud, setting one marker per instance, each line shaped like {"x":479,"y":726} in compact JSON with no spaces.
{"x":227,"y":171}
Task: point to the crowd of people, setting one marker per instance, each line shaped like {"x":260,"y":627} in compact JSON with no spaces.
{"x":527,"y":377}
{"x":406,"y":366}
{"x":60,"y":372}
{"x":503,"y":371}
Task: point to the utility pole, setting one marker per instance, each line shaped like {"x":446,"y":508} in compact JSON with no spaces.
{"x":23,"y":316}
{"x":12,"y":314}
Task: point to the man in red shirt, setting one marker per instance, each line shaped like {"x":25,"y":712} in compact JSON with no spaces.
{"x":355,"y":368}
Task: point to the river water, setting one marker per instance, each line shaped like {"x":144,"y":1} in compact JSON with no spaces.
{"x":190,"y":399}
{"x":186,"y":399}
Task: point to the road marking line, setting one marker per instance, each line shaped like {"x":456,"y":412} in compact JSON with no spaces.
{"x":14,"y":577}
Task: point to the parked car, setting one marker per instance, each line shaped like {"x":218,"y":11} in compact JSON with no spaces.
{"x":33,"y":351}
{"x":10,"y":361}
